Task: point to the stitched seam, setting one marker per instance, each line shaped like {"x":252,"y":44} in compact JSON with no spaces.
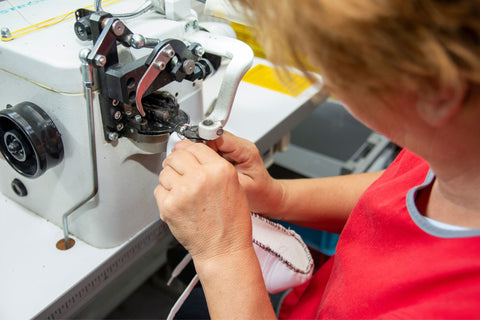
{"x":281,"y":258}
{"x":278,"y":255}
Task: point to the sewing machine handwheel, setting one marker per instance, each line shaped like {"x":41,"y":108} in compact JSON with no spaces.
{"x":29,"y":140}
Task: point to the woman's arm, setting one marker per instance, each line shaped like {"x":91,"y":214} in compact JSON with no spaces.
{"x":322,"y":203}
{"x":206,"y":209}
{"x":234,"y":286}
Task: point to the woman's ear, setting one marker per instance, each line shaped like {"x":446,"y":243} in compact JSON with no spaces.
{"x":437,"y":108}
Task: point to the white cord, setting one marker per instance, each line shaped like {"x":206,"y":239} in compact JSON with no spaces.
{"x":182,"y":298}
{"x":179,"y":268}
{"x":176,"y":271}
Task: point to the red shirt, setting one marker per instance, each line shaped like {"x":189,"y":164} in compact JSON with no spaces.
{"x":391,"y":263}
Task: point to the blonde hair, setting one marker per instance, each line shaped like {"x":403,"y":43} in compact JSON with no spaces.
{"x":374,"y":44}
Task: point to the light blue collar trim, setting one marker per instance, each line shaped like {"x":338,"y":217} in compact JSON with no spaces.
{"x":431,"y":228}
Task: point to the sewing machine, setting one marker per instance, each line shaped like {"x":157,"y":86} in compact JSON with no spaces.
{"x":90,"y":107}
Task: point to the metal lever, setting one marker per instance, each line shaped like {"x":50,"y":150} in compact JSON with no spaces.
{"x":158,"y":65}
{"x":241,"y":59}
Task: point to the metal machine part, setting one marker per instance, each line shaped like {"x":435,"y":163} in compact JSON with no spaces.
{"x":241,"y":59}
{"x":29,"y":140}
{"x":168,"y":117}
{"x":129,"y":89}
{"x":88,"y":82}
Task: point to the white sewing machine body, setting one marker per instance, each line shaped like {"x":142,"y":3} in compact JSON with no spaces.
{"x":43,"y":68}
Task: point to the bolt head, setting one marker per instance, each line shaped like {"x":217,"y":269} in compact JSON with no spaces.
{"x":100,"y":60}
{"x":117,"y":115}
{"x":188,"y":66}
{"x":207,"y":122}
{"x":160,"y":65}
{"x":5,"y":32}
{"x":169,"y":52}
{"x":118,"y":28}
{"x":14,"y":146}
{"x":112,"y":136}
{"x":199,"y":51}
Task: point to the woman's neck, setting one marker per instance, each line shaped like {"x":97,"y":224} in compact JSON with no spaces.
{"x":453,"y":152}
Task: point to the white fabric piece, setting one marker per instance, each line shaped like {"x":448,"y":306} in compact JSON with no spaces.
{"x":284,"y":258}
{"x":172,"y":141}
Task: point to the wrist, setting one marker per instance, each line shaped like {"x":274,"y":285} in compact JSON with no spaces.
{"x":237,"y":278}
{"x":276,"y":199}
{"x":211,"y":267}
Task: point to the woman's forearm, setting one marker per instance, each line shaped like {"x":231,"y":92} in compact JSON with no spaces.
{"x":234,"y":286}
{"x":321,"y":203}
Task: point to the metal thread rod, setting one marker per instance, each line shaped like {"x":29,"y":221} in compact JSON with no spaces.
{"x":87,"y":74}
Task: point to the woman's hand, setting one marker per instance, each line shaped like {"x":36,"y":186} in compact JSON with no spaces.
{"x":203,"y":203}
{"x":263,"y":192}
{"x":200,"y":198}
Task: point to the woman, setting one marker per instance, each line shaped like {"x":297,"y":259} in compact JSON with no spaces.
{"x":409,"y":70}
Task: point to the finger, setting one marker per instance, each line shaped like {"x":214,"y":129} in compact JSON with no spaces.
{"x":233,"y":148}
{"x":181,"y":161}
{"x":167,"y":178}
{"x":183,"y":144}
{"x":203,"y":153}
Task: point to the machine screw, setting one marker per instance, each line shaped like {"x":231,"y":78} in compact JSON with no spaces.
{"x":207,"y":122}
{"x":112,"y":136}
{"x":100,"y":60}
{"x":169,"y":52}
{"x":15,"y":146}
{"x":115,"y":102}
{"x":199,"y":51}
{"x":159,"y":65}
{"x":188,"y":66}
{"x":6,"y":33}
{"x":138,"y":118}
{"x":117,"y":115}
{"x":219,"y":132}
{"x":120,"y":127}
{"x":118,"y":28}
